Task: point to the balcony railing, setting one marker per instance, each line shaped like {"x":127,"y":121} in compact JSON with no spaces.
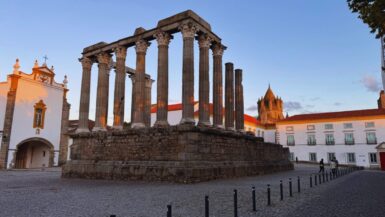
{"x":349,"y":142}
{"x":371,"y":141}
{"x":330,"y":142}
{"x":311,"y":142}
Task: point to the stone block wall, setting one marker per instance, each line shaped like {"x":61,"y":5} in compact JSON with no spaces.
{"x":183,"y":154}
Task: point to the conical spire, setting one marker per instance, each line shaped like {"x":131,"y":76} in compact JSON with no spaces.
{"x":269,"y":94}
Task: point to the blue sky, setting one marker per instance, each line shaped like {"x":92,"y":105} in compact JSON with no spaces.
{"x":316,"y":55}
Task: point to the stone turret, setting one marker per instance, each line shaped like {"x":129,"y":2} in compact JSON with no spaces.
{"x":270,"y":108}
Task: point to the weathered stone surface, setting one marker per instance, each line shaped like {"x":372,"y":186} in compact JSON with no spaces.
{"x":184,"y":154}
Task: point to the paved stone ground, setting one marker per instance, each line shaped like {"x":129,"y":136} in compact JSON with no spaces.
{"x":44,"y":193}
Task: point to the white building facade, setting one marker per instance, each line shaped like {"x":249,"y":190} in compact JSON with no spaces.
{"x":33,"y":119}
{"x":352,"y":137}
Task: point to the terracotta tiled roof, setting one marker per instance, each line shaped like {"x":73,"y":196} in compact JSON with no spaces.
{"x":174,"y":107}
{"x":333,"y":115}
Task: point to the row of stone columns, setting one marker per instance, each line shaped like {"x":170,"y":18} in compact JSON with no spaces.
{"x":141,"y":95}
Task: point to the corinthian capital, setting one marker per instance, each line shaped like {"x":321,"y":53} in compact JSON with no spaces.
{"x":188,"y":30}
{"x":141,"y":46}
{"x":86,"y":62}
{"x":204,"y":41}
{"x":163,"y":38}
{"x":104,"y":58}
{"x":218,"y":49}
{"x":121,"y":52}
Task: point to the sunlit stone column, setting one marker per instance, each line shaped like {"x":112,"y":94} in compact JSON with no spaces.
{"x":120,"y":83}
{"x":204,"y":83}
{"x":84,"y":106}
{"x":132,"y":77}
{"x":217,"y":49}
{"x":147,"y":99}
{"x":139,"y":90}
{"x":229,"y":96}
{"x":104,"y":60}
{"x":188,"y":32}
{"x":163,"y":40}
{"x":239,"y":107}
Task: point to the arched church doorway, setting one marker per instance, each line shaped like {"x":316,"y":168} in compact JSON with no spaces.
{"x":34,"y":153}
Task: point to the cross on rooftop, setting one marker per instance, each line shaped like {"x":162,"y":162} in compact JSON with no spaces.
{"x":45,"y":59}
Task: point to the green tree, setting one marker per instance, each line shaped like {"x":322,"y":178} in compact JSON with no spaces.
{"x":372,"y":12}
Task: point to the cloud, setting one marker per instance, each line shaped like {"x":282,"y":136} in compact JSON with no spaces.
{"x":292,"y":106}
{"x":309,"y":106}
{"x":252,"y":108}
{"x":370,"y":83}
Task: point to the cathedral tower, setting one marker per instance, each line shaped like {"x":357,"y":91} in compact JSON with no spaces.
{"x":270,"y":108}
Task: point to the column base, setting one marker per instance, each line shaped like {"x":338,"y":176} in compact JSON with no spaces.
{"x":138,"y":125}
{"x":219,"y":126}
{"x":96,"y":129}
{"x":161,"y":124}
{"x":204,"y":123}
{"x":190,"y":121}
{"x":82,"y":130}
{"x":117,"y":127}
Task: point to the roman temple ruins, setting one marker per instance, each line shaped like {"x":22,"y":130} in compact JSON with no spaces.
{"x":187,"y":152}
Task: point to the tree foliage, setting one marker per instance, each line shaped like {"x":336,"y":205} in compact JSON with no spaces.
{"x":372,"y":12}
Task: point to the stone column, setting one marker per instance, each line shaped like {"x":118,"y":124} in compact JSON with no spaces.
{"x":188,"y":32}
{"x":163,"y":40}
{"x":104,"y":60}
{"x":147,"y":99}
{"x":84,"y":106}
{"x":204,"y":83}
{"x":139,"y":90}
{"x":120,"y":87}
{"x":229,"y":96}
{"x":132,"y":97}
{"x":217,"y":85}
{"x":239,"y":107}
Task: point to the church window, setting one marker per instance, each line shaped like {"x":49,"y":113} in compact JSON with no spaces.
{"x":291,"y":156}
{"x":328,"y":126}
{"x":348,"y":125}
{"x":38,"y":118}
{"x":369,"y":124}
{"x":310,"y":127}
{"x":290,"y":140}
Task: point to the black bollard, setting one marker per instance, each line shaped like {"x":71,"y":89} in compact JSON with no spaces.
{"x":319,"y":178}
{"x":323,"y":177}
{"x":299,"y":185}
{"x":290,"y":188}
{"x":253,"y":196}
{"x":268,"y":195}
{"x":235,"y":203}
{"x":311,"y":181}
{"x":169,"y":214}
{"x":327,"y":177}
{"x":206,"y":206}
{"x":112,"y":215}
{"x":281,"y":189}
{"x":315,"y":180}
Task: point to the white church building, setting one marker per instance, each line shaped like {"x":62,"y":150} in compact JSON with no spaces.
{"x":34,"y":116}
